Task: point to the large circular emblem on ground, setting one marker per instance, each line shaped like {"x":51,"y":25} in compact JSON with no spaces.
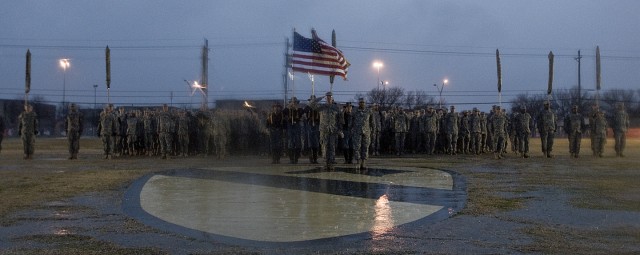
{"x":293,"y":204}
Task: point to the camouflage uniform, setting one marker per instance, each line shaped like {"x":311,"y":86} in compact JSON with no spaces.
{"x":573,"y":126}
{"x":221,"y":133}
{"x":464,"y":133}
{"x":27,"y":130}
{"x":475,"y":125}
{"x":107,"y":130}
{"x":166,"y":128}
{"x":330,"y":128}
{"x":275,"y":123}
{"x":400,"y":128}
{"x":293,"y":117}
{"x":150,"y":135}
{"x":361,"y":131}
{"x":547,"y":127}
{"x":499,"y":128}
{"x":522,"y":125}
{"x":483,"y":128}
{"x":600,"y":133}
{"x":430,"y":120}
{"x":376,"y":130}
{"x":415,"y":132}
{"x":513,"y":133}
{"x":74,"y":127}
{"x":312,"y":128}
{"x":183,"y":133}
{"x":132,"y":133}
{"x":452,"y":121}
{"x":347,"y":137}
{"x":121,"y":132}
{"x":620,"y":127}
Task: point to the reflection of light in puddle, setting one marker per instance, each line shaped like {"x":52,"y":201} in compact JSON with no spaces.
{"x":383,"y":220}
{"x":62,"y":231}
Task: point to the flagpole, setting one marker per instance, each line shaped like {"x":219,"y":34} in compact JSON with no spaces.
{"x":598,"y":77}
{"x":333,"y":43}
{"x":293,"y":82}
{"x":27,"y":83}
{"x":499,"y":68}
{"x":550,"y":86}
{"x":107,"y":53}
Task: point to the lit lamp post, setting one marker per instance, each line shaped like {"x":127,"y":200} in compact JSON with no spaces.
{"x":64,"y":63}
{"x":378,"y":65}
{"x":440,"y":88}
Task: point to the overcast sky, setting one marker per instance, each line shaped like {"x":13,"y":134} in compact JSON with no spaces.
{"x":155,"y":46}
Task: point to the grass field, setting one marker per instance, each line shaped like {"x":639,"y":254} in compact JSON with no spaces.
{"x":495,"y":187}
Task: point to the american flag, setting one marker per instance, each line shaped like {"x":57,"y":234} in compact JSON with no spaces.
{"x":315,"y":56}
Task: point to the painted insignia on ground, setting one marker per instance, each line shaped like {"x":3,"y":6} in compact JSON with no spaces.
{"x":293,"y":204}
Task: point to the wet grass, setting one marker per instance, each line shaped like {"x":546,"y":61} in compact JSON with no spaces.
{"x":494,"y":187}
{"x":76,"y":244}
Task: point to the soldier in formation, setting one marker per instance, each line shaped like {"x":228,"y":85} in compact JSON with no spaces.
{"x":293,"y":116}
{"x":166,"y":127}
{"x":599,"y":130}
{"x":452,"y":121}
{"x":430,"y":120}
{"x":361,"y":131}
{"x":523,"y":131}
{"x":499,"y":132}
{"x":312,"y":130}
{"x":347,"y":137}
{"x":275,"y":124}
{"x":574,"y":127}
{"x":74,"y":126}
{"x":376,"y":129}
{"x":28,"y":130}
{"x":620,"y":127}
{"x":400,"y":129}
{"x":331,"y":122}
{"x":107,"y":130}
{"x":547,"y":127}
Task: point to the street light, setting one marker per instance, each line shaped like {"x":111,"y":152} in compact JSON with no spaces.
{"x":440,"y":88}
{"x":378,"y":65}
{"x":64,"y":63}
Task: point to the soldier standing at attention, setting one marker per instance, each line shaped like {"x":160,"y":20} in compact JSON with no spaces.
{"x":28,"y":130}
{"x":573,"y":126}
{"x":275,"y":124}
{"x":431,"y":120}
{"x":400,"y":128}
{"x":121,"y":132}
{"x":312,"y":128}
{"x":376,"y":129}
{"x":183,"y":133}
{"x":523,"y":131}
{"x":330,"y":128}
{"x":132,"y":133}
{"x":475,"y":126}
{"x":293,"y":115}
{"x":166,"y":127}
{"x":452,"y":120}
{"x":547,"y":127}
{"x":620,"y":127}
{"x":600,"y":132}
{"x":361,"y":132}
{"x":74,"y":130}
{"x":149,"y":124}
{"x":499,"y":128}
{"x":465,"y":132}
{"x":347,"y":139}
{"x":107,"y":130}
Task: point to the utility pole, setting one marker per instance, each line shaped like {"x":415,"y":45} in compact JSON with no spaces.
{"x":579,"y":81}
{"x":205,"y":75}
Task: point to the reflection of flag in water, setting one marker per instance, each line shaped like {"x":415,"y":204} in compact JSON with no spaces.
{"x":499,"y":71}
{"x":598,"y":77}
{"x":550,"y":73}
{"x":27,"y":77}
{"x":317,"y":57}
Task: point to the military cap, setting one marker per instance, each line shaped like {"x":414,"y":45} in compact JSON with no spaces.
{"x":329,"y":94}
{"x":475,"y":109}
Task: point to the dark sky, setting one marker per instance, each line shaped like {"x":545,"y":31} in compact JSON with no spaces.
{"x":155,"y":46}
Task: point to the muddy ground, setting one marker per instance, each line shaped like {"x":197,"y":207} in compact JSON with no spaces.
{"x":589,"y":205}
